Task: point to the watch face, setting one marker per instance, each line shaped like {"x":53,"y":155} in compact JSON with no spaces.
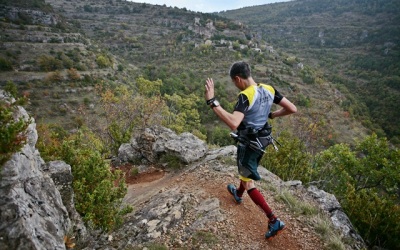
{"x":215,"y":103}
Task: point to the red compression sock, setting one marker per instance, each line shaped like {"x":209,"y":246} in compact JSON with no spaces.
{"x":259,"y":200}
{"x":240,"y":190}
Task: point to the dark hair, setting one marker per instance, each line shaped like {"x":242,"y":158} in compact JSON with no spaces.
{"x":241,"y":69}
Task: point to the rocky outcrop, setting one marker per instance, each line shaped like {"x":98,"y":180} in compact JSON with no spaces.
{"x":28,"y":16}
{"x":158,"y":141}
{"x":61,"y":174}
{"x":340,"y":220}
{"x":33,"y":214}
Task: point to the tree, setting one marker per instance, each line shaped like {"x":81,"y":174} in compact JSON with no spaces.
{"x":127,"y":111}
{"x":291,"y":161}
{"x":147,"y":87}
{"x":366,"y":182}
{"x":219,"y":136}
{"x":98,"y":190}
{"x":183,"y":114}
{"x":49,"y":63}
{"x":371,"y":165}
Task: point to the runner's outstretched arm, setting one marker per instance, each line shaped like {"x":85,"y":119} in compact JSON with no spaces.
{"x":232,"y":120}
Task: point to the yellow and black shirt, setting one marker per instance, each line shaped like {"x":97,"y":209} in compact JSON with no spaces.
{"x":255,"y":103}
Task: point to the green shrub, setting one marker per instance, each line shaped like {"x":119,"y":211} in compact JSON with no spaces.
{"x":12,"y":132}
{"x":50,"y":139}
{"x":219,"y":136}
{"x":98,"y":197}
{"x":98,"y":190}
{"x":303,"y":101}
{"x":5,"y":65}
{"x":134,"y":171}
{"x":103,"y":61}
{"x":376,"y":216}
{"x":173,"y":161}
{"x":308,"y":75}
{"x":11,"y":88}
{"x":49,"y":63}
{"x":365,"y":180}
{"x":291,"y":162}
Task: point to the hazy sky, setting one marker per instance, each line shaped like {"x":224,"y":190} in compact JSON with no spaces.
{"x":206,"y":6}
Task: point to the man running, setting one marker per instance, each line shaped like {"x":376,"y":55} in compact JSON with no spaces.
{"x":250,"y":119}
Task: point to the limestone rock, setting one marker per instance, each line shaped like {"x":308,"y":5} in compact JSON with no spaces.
{"x":157,"y":141}
{"x":33,"y":215}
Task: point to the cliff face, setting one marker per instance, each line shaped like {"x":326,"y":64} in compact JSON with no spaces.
{"x":33,"y":214}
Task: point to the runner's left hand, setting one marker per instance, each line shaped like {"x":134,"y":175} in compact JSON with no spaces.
{"x":209,"y":93}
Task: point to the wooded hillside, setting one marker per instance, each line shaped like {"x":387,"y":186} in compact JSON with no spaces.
{"x":355,"y":43}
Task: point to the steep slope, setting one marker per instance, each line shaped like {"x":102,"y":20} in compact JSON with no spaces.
{"x":190,"y":208}
{"x":180,"y":47}
{"x":49,"y":61}
{"x":355,"y":43}
{"x":216,"y":221}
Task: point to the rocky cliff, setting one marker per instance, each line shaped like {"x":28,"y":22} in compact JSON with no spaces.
{"x":37,"y":207}
{"x":186,"y":207}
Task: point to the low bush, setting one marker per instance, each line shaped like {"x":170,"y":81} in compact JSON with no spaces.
{"x":98,"y":190}
{"x":12,"y":132}
{"x":5,"y":65}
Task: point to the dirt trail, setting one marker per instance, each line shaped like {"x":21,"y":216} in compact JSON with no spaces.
{"x":245,"y":224}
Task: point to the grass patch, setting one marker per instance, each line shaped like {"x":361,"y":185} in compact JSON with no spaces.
{"x":295,"y":205}
{"x":335,"y":243}
{"x":200,"y":238}
{"x":321,"y":223}
{"x":324,"y":227}
{"x":134,"y":171}
{"x":227,"y":160}
{"x":172,"y":161}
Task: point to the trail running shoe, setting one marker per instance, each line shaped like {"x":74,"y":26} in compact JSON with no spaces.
{"x":274,"y":229}
{"x":232,"y":190}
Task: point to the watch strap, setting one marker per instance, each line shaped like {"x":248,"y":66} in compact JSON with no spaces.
{"x":210,"y":101}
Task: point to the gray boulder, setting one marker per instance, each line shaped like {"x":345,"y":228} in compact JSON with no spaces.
{"x":340,"y":220}
{"x":158,"y":141}
{"x":33,"y":215}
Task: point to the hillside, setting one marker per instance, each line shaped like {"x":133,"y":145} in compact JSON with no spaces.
{"x":175,"y":206}
{"x":355,"y":44}
{"x":110,"y":43}
{"x":96,"y":73}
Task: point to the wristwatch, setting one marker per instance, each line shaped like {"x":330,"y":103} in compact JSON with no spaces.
{"x":214,"y":104}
